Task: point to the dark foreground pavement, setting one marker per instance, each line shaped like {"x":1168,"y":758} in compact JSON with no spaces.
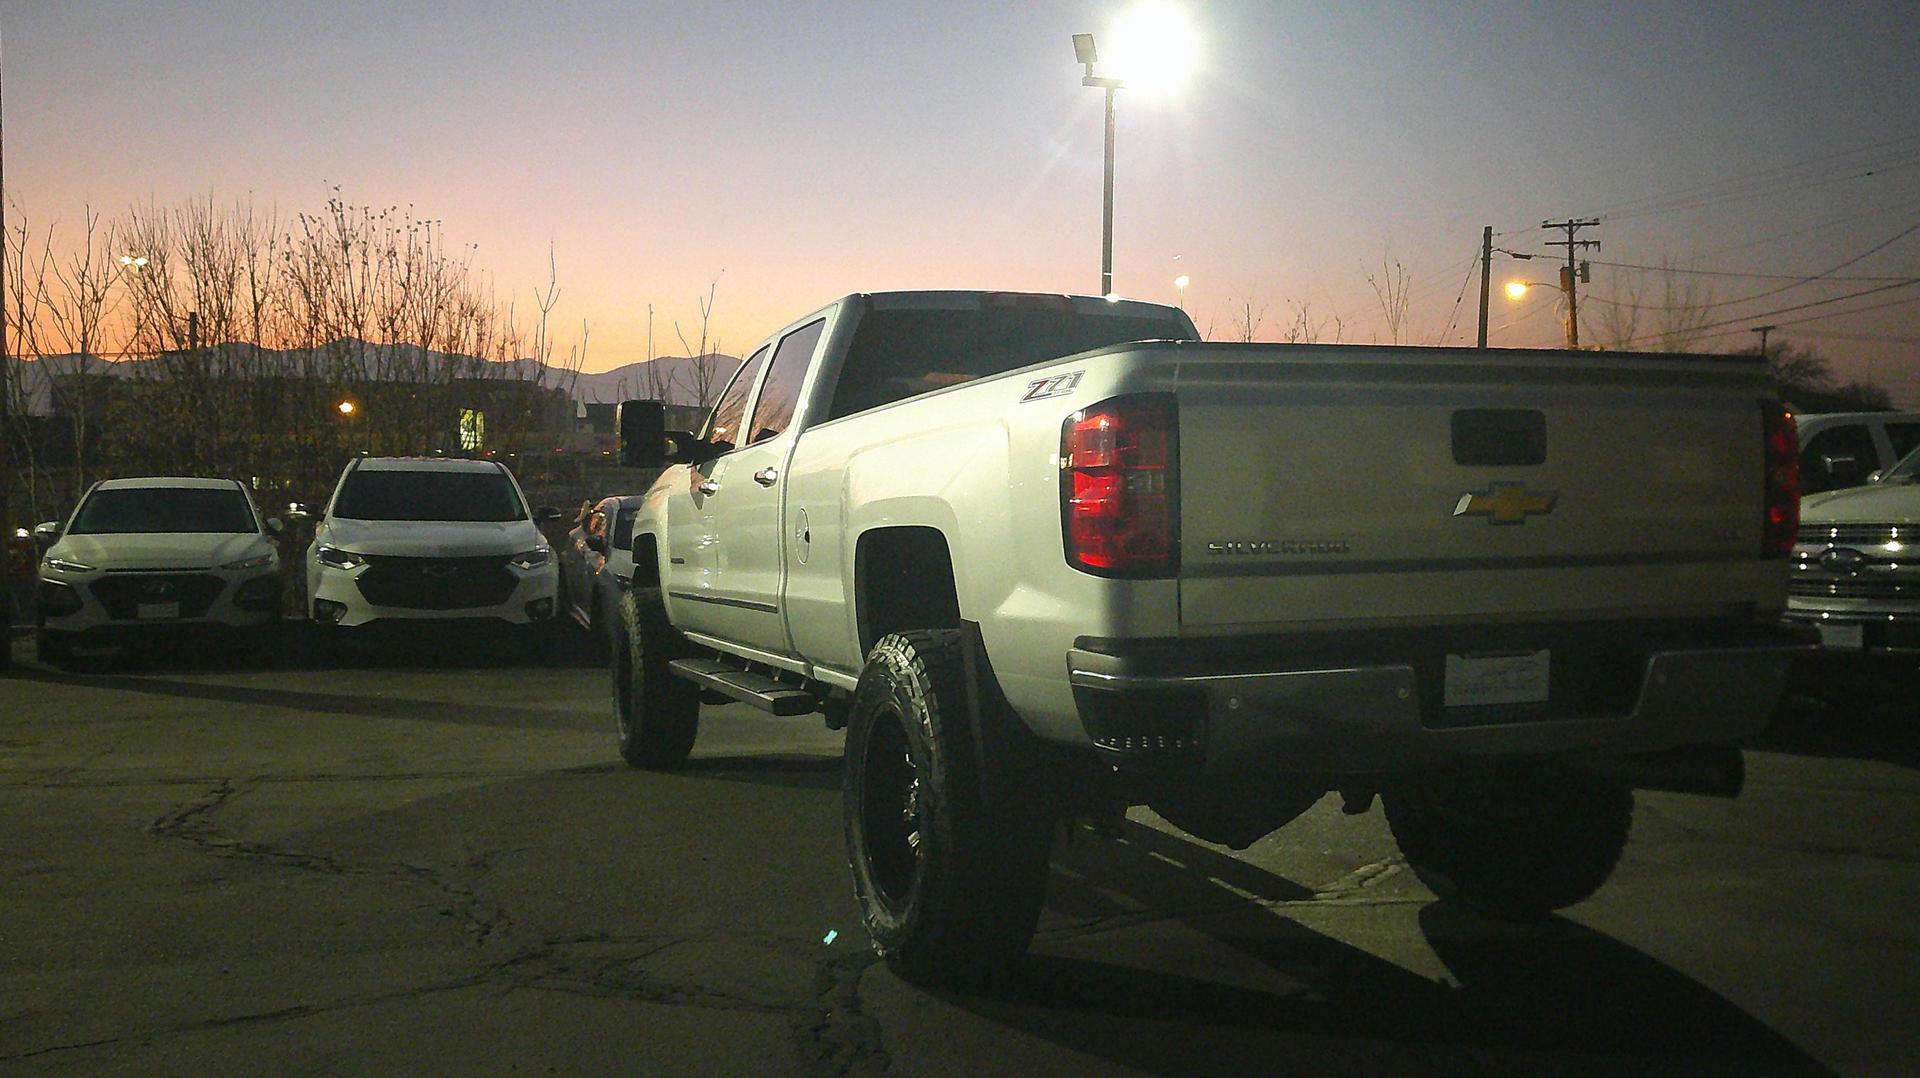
{"x":437,"y":864}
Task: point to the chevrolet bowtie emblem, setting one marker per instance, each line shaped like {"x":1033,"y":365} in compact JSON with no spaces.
{"x":1506,"y":503}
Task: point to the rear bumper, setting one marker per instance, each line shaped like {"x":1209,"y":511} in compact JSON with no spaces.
{"x":1160,"y":708}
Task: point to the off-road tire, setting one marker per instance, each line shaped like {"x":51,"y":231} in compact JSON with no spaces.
{"x":949,"y":891}
{"x":1515,"y":841}
{"x":656,"y":714}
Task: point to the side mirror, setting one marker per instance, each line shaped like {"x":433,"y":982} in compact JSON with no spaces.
{"x":47,"y":531}
{"x":546,"y":514}
{"x":301,"y":512}
{"x":275,"y":526}
{"x":597,"y":543}
{"x":643,"y":434}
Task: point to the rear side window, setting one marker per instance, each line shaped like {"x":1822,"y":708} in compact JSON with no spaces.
{"x":623,"y":529}
{"x":896,"y":354}
{"x":724,"y":431}
{"x":1837,"y":457}
{"x":773,"y":412}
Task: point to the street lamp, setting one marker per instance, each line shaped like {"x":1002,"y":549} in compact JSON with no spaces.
{"x":346,"y":408}
{"x":1154,"y":50}
{"x":1181,"y":283}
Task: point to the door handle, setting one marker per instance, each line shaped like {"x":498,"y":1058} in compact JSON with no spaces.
{"x":709,"y":488}
{"x":767,"y":477}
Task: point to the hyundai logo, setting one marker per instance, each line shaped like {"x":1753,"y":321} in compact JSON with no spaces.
{"x":439,"y":570}
{"x":1843,"y":561}
{"x":156,"y":589}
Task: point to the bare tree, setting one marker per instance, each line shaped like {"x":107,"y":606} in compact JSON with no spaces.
{"x":1669,"y":317}
{"x":1390,"y":289}
{"x":705,"y":370}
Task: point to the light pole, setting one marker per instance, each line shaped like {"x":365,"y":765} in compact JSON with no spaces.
{"x":1153,"y":48}
{"x":1083,"y":52}
{"x":1517,"y":289}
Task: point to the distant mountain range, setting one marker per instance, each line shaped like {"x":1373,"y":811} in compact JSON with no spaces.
{"x":678,"y":373}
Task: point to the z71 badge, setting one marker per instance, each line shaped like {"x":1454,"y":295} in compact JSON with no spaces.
{"x":1057,"y":386}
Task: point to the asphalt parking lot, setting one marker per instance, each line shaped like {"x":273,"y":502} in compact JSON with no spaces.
{"x":434,"y":862}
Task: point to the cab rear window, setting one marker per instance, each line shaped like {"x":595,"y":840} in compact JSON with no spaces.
{"x":896,"y":354}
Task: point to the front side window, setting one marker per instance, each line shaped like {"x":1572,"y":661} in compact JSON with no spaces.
{"x":780,"y":396}
{"x":1904,"y":436}
{"x":724,"y":432}
{"x":151,"y":510}
{"x":370,"y":494}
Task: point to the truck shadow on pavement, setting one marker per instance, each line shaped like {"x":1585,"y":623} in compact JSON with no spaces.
{"x":469,"y":713}
{"x":1552,"y":994}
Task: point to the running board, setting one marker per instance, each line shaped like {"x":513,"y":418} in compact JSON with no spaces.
{"x":759,"y":690}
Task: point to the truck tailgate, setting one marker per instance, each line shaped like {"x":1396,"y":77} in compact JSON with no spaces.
{"x":1354,"y":486}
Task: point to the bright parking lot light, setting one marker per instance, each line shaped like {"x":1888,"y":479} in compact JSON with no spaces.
{"x":1152,"y":48}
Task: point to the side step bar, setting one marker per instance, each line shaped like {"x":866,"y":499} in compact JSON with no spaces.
{"x":759,"y":690}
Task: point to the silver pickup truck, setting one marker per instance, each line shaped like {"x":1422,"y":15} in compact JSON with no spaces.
{"x":1049,"y":556}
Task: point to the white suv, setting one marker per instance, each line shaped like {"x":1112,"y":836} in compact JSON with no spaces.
{"x":156,"y":553}
{"x":429,"y":538}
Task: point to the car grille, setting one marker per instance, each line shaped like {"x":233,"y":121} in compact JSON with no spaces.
{"x":1854,"y":534}
{"x":123,"y":593}
{"x":435,"y":583}
{"x":1853,"y":589}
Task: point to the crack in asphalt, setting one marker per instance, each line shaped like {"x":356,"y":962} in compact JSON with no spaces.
{"x":835,"y":1037}
{"x":483,"y":920}
{"x":839,"y":1039}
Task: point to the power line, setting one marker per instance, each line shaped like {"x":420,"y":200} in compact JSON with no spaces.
{"x":1786,"y":310}
{"x":1734,"y":273}
{"x":1796,"y":282}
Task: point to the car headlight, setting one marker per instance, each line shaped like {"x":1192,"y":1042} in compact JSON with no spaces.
{"x":250,"y":563}
{"x":62,"y":565}
{"x":532,"y":559}
{"x":339,"y":559}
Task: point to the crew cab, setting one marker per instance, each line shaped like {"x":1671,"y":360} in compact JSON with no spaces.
{"x":1050,"y":556}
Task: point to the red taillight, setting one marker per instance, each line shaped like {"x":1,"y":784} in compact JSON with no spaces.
{"x":1782,"y":520}
{"x":1119,"y":480}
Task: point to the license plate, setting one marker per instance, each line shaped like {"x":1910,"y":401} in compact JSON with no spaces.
{"x":1847,"y":636}
{"x":1506,"y":678}
{"x":156,"y":611}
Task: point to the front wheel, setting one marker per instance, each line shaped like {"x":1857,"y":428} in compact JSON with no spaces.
{"x":949,"y":891}
{"x":657,"y":714}
{"x":1517,"y":841}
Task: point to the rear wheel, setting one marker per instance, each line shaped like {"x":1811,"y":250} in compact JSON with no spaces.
{"x":1517,"y":841}
{"x":657,"y":714}
{"x":949,"y":891}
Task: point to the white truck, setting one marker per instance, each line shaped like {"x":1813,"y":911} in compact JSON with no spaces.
{"x":1051,"y":556}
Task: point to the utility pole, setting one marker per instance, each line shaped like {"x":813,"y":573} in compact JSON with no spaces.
{"x":193,"y":332}
{"x":1570,"y":271}
{"x":1486,"y":268}
{"x":1763,"y":331}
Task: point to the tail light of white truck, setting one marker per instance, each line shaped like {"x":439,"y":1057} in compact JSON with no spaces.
{"x":1119,"y":487}
{"x":1782,"y":520}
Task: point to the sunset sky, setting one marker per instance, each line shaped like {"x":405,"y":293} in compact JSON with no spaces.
{"x":792,"y":153}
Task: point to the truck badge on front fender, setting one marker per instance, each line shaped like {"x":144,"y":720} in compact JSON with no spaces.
{"x":1506,"y":503}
